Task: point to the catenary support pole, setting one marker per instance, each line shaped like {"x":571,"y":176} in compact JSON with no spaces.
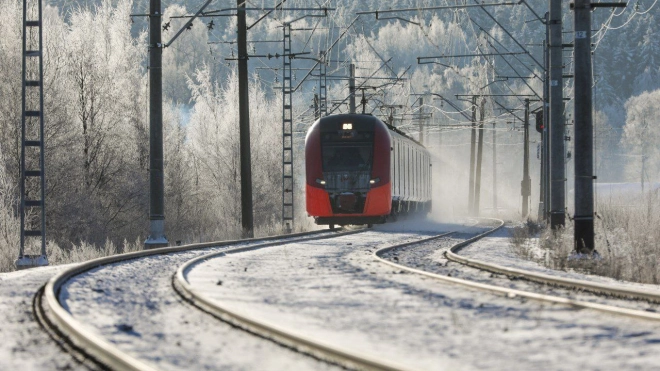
{"x":156,"y":175}
{"x":494,"y":169}
{"x":583,"y":157}
{"x":543,"y":166}
{"x":480,"y":155}
{"x":545,"y":135}
{"x":473,"y":138}
{"x":244,"y":119}
{"x":526,"y":183}
{"x":32,"y":207}
{"x":351,"y":89}
{"x":557,"y":123}
{"x":288,"y":185}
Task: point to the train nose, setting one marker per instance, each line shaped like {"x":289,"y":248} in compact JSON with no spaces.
{"x":347,"y":202}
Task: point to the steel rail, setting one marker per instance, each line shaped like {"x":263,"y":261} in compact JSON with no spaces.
{"x":93,"y":345}
{"x":278,"y":334}
{"x":593,"y":287}
{"x":512,"y":293}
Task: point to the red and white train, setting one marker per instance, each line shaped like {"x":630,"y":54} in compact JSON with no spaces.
{"x":360,"y":171}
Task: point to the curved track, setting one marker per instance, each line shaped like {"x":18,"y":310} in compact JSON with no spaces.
{"x":285,"y":336}
{"x":452,"y":255}
{"x":77,"y":339}
{"x":365,"y":301}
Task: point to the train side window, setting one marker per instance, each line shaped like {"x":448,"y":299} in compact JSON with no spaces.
{"x":416,"y":173}
{"x":419,"y":174}
{"x":409,"y":172}
{"x":428,"y":177}
{"x":392,"y":165}
{"x":406,"y":175}
{"x":405,"y":169}
{"x":413,"y":162}
{"x":395,"y":165}
{"x":398,"y":166}
{"x":399,"y":175}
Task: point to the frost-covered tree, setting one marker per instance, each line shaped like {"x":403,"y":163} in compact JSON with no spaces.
{"x":641,"y":135}
{"x":181,"y":59}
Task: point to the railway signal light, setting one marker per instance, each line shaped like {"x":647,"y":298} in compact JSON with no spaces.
{"x":539,"y":121}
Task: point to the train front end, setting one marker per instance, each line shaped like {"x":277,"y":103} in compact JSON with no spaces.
{"x":347,"y":159}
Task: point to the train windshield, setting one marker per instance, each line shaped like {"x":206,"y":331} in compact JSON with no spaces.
{"x":347,"y":156}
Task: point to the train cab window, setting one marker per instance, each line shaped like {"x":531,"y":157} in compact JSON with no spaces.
{"x":341,"y":157}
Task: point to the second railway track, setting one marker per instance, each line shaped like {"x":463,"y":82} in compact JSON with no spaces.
{"x":545,"y":280}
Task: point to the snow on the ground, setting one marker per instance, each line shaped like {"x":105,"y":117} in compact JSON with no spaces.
{"x":334,"y":290}
{"x":331,"y":289}
{"x":24,"y":345}
{"x":496,"y":249}
{"x":133,"y":305}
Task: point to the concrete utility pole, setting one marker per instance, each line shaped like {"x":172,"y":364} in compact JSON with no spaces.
{"x":557,"y":150}
{"x":480,"y":147}
{"x":543,"y":189}
{"x":351,"y":90}
{"x":156,"y":177}
{"x":494,"y":169}
{"x":584,"y":178}
{"x":244,"y":118}
{"x":473,"y":137}
{"x":526,"y":184}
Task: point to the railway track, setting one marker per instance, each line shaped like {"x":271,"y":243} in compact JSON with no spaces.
{"x":91,"y":349}
{"x":76,"y":338}
{"x":544,"y":279}
{"x":287,"y":337}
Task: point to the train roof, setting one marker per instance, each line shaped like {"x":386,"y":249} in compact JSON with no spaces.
{"x":365,"y":116}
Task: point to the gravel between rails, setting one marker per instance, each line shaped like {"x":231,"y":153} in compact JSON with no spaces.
{"x":132,"y":304}
{"x":333,"y":290}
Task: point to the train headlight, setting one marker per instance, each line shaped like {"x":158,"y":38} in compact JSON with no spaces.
{"x":320,"y":181}
{"x":374,"y":181}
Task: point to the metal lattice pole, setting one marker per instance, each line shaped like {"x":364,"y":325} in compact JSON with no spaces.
{"x":287,"y":134}
{"x":323,"y":85}
{"x":33,"y":184}
{"x":351,"y":89}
